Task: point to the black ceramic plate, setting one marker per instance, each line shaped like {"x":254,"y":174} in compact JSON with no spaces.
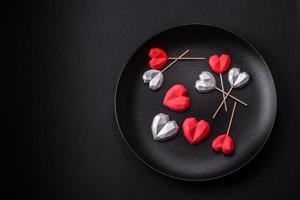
{"x":136,"y":105}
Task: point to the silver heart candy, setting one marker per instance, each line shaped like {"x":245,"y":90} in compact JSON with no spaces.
{"x":149,"y":75}
{"x":154,"y":78}
{"x":237,"y":79}
{"x":206,"y":82}
{"x":162,"y":128}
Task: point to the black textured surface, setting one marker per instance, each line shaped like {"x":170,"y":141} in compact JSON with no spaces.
{"x":136,"y":105}
{"x":69,"y":55}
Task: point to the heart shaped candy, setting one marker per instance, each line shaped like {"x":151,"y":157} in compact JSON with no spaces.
{"x":219,"y":64}
{"x":175,"y":98}
{"x":206,"y":82}
{"x":195,"y":132}
{"x":159,"y":58}
{"x":154,"y":78}
{"x":223,"y":143}
{"x":237,"y":79}
{"x":162,"y":128}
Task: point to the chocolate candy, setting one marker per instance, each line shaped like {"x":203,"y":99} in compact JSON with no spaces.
{"x":194,"y":131}
{"x":162,"y":128}
{"x":176,"y":98}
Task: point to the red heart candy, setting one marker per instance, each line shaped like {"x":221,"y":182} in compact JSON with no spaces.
{"x":159,"y":58}
{"x":195,"y":132}
{"x":223,"y":143}
{"x":176,"y":100}
{"x":219,"y":64}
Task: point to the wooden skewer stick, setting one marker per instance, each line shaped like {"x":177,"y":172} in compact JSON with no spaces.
{"x":233,"y":97}
{"x":231,"y":118}
{"x":215,"y":114}
{"x":222,"y":86}
{"x":187,"y":58}
{"x":169,"y":65}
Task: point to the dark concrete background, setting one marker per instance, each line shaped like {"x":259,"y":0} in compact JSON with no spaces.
{"x":68,"y":57}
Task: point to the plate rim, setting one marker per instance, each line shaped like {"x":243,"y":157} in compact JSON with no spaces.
{"x":178,"y":177}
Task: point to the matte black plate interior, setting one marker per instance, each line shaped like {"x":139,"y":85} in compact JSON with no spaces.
{"x":136,"y":105}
